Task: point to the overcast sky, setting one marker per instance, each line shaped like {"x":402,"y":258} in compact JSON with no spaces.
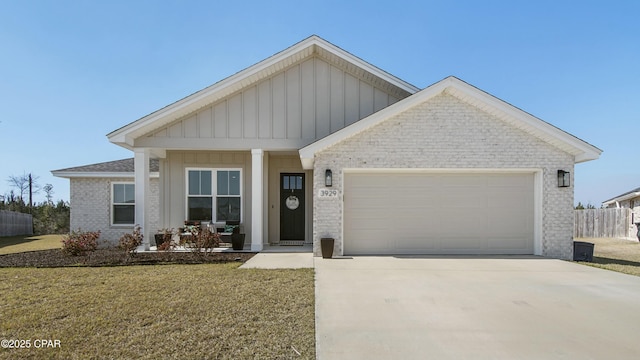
{"x":73,"y":71}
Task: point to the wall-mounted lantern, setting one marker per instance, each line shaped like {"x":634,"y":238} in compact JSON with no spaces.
{"x":564,"y":178}
{"x":328,"y":178}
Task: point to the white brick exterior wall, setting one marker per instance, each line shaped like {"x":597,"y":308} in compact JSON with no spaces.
{"x":91,"y":207}
{"x":445,"y":132}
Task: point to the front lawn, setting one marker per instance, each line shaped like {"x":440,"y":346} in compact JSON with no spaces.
{"x":615,"y":254}
{"x":17,"y":244}
{"x":205,"y":311}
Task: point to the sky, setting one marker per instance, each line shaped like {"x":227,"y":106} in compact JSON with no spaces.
{"x":73,"y":71}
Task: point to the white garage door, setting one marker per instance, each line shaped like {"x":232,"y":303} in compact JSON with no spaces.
{"x":435,"y":213}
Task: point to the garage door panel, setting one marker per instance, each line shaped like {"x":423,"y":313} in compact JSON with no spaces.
{"x":514,"y":228}
{"x":413,"y":243}
{"x":519,"y":244}
{"x":438,"y":213}
{"x":461,"y":244}
{"x":374,"y":245}
{"x":462,"y":180}
{"x":470,"y":199}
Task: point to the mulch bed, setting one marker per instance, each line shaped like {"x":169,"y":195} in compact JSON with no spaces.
{"x":114,"y":257}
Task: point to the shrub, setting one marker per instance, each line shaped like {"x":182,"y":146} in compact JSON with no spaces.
{"x":129,"y":242}
{"x":80,"y":242}
{"x":166,"y":246}
{"x":201,"y":242}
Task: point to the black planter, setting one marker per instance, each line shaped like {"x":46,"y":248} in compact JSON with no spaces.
{"x":326,"y":245}
{"x":159,"y":239}
{"x":237,"y":241}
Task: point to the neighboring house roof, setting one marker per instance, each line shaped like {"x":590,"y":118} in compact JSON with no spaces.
{"x":118,"y":168}
{"x":581,"y":150}
{"x":126,"y":135}
{"x":626,"y":196}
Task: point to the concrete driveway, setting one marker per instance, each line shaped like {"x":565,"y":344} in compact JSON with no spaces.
{"x":474,"y":308}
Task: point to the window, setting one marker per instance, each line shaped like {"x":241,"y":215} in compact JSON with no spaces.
{"x":123,"y":198}
{"x":214,"y":189}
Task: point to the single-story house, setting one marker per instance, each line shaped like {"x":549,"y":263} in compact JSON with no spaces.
{"x":314,"y":142}
{"x":628,"y":200}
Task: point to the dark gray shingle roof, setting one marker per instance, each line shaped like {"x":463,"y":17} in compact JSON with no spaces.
{"x":124,"y":166}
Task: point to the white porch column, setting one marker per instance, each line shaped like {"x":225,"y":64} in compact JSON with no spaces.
{"x":257,"y":210}
{"x":141,"y":168}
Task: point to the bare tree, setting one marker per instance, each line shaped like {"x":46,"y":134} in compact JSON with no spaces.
{"x":25,"y":184}
{"x":21,"y":183}
{"x":48,"y":189}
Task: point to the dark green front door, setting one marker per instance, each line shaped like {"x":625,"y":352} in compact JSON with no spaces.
{"x":292,"y":206}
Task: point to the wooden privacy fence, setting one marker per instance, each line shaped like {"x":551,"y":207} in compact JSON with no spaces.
{"x":14,"y":223}
{"x":600,"y":223}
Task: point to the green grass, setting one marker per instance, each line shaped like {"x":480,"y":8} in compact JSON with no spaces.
{"x":16,"y":244}
{"x":208,"y":311}
{"x":615,"y":254}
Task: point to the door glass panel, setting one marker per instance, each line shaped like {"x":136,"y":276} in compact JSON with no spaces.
{"x":285,"y":182}
{"x":299,"y":182}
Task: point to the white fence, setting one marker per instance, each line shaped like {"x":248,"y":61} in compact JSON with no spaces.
{"x":14,"y":223}
{"x":600,"y":223}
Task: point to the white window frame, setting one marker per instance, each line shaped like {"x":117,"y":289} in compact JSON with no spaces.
{"x":113,"y":203}
{"x":214,"y":191}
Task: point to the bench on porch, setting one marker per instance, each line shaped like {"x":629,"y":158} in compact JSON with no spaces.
{"x":225,"y":229}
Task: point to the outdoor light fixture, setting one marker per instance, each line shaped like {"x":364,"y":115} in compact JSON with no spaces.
{"x":328,"y":178}
{"x":564,"y":178}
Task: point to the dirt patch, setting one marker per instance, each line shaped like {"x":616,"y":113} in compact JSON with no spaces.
{"x":114,"y":257}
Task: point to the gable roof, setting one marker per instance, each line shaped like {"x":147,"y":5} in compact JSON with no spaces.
{"x":117,"y":168}
{"x":313,"y":45}
{"x":626,"y":196}
{"x":508,"y":113}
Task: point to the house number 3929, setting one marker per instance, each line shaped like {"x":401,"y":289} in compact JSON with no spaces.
{"x":327,"y":193}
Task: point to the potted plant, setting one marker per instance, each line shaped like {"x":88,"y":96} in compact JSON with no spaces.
{"x":237,"y":239}
{"x":163,"y":236}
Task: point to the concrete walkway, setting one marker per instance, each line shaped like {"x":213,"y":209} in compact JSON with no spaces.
{"x":474,"y":308}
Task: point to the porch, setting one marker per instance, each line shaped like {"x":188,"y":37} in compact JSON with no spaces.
{"x":267,"y":192}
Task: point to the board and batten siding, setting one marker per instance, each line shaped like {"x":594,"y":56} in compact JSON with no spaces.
{"x":173,"y":209}
{"x":306,"y":101}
